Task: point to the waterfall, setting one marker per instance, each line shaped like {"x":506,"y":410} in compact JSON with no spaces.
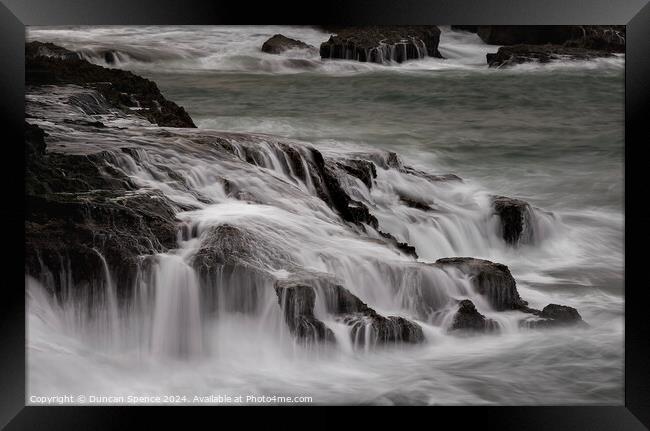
{"x":254,"y":209}
{"x":176,"y":326}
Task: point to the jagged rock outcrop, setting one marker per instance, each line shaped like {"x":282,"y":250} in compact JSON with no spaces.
{"x":297,"y":299}
{"x":515,"y":216}
{"x":382,"y":44}
{"x":518,"y":54}
{"x":492,"y":280}
{"x":362,"y":169}
{"x":554,"y":316}
{"x":329,"y":189}
{"x":51,"y":64}
{"x":77,"y":206}
{"x":468,"y":319}
{"x":279,"y":43}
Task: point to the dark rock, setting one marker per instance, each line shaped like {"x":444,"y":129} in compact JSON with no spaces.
{"x":383,"y":330}
{"x":297,"y":299}
{"x":491,"y":280}
{"x":401,"y":246}
{"x":518,"y":54}
{"x":121,"y":88}
{"x":415,"y":203}
{"x":329,"y":189}
{"x":515,"y":218}
{"x":280,"y":43}
{"x":599,"y":37}
{"x":34,"y":142}
{"x":39,"y":49}
{"x":361,"y":169}
{"x":297,"y":302}
{"x":97,"y":124}
{"x":78,"y":206}
{"x":381,"y":44}
{"x":546,"y":43}
{"x":234,"y":246}
{"x":553,"y":316}
{"x":467,"y":318}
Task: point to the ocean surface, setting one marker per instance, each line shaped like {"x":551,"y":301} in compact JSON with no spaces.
{"x":552,"y":135}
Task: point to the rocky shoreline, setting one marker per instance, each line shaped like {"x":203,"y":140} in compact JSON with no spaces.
{"x":521,"y":44}
{"x":84,"y":215}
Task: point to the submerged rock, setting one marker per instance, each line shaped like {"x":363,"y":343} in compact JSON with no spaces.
{"x":51,"y":64}
{"x":515,"y":216}
{"x":468,"y":318}
{"x":491,"y":280}
{"x":279,"y":43}
{"x":554,"y":316}
{"x":382,"y":44}
{"x":518,"y":54}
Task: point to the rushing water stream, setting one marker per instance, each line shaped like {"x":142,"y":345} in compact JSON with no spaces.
{"x":551,"y":135}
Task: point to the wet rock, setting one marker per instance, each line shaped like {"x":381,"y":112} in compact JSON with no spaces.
{"x":553,"y":316}
{"x":599,"y":37}
{"x":368,"y":331}
{"x":39,"y":49}
{"x":297,"y":302}
{"x":297,"y":299}
{"x":279,"y":43}
{"x":492,"y":280}
{"x":468,"y":318}
{"x":390,"y":160}
{"x":416,"y":203}
{"x":121,"y":88}
{"x":517,"y":54}
{"x":401,"y":246}
{"x":382,"y":44}
{"x":362,"y":169}
{"x":329,"y":189}
{"x":515,"y":216}
{"x":234,"y":246}
{"x":77,"y":206}
{"x":547,"y":43}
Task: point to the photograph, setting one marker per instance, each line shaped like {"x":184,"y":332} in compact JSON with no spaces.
{"x":385,"y":215}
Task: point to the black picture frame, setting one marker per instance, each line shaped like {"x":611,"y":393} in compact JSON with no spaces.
{"x":16,"y":14}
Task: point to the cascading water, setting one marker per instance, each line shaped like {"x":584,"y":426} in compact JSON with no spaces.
{"x":255,"y":214}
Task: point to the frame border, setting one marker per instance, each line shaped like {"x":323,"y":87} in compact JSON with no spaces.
{"x":635,"y":14}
